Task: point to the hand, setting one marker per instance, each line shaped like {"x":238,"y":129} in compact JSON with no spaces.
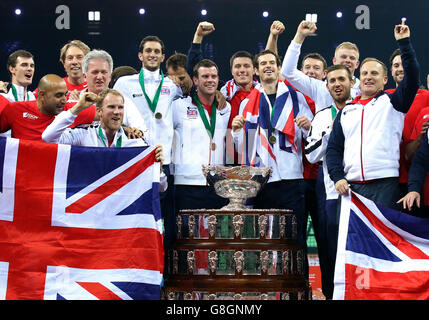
{"x":342,"y":186}
{"x":401,"y":31}
{"x":409,"y":200}
{"x":237,"y":123}
{"x":204,"y":28}
{"x":425,"y":127}
{"x":277,"y":27}
{"x":159,"y":156}
{"x":303,"y":122}
{"x":133,"y":133}
{"x":3,"y":86}
{"x":74,"y":95}
{"x":86,"y":100}
{"x":221,"y":100}
{"x":305,"y":28}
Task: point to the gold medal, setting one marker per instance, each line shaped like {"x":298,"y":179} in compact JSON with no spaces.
{"x":272,"y":139}
{"x":213,"y":146}
{"x":158,"y":115}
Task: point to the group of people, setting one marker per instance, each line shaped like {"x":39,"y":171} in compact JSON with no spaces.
{"x":320,"y":128}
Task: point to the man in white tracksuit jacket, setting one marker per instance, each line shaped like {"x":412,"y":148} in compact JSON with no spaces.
{"x":363,"y":148}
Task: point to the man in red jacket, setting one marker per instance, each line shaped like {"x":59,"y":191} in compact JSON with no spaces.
{"x":420,"y":101}
{"x":28,"y":119}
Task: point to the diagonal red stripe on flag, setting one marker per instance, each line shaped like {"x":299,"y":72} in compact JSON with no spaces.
{"x":266,"y":145}
{"x":403,"y":245}
{"x":112,"y":186}
{"x":98,"y":290}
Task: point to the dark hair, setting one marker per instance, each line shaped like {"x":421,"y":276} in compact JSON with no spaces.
{"x":119,"y":72}
{"x":13,"y":57}
{"x":339,"y":67}
{"x":263,"y":53}
{"x":395,"y":53}
{"x":149,"y":39}
{"x":240,"y":54}
{"x":206,"y":63}
{"x":177,"y":60}
{"x":317,"y":56}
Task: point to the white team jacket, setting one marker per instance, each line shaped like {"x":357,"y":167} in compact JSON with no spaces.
{"x":192,"y":144}
{"x":160,"y":130}
{"x":317,"y":142}
{"x":373,"y":134}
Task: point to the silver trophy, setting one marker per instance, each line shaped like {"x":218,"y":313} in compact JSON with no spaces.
{"x":236,"y":183}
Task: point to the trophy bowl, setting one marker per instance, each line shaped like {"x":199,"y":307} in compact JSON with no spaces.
{"x":236,"y":183}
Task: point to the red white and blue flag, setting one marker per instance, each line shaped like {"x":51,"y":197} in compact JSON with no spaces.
{"x":79,"y":222}
{"x":260,"y":124}
{"x":382,"y":254}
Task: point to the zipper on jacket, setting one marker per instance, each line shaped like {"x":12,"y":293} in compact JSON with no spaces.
{"x":361,"y":144}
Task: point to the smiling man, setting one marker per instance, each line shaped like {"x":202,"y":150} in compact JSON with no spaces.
{"x":153,"y":95}
{"x":279,"y":148}
{"x":363,"y":148}
{"x":71,"y":56}
{"x":339,"y":83}
{"x":420,"y":101}
{"x":200,"y":140}
{"x":28,"y":119}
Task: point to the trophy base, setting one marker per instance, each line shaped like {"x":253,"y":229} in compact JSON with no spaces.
{"x":235,"y":204}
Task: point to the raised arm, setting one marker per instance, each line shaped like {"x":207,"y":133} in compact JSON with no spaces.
{"x":406,"y":91}
{"x":56,"y":131}
{"x":195,"y":54}
{"x":277,"y":28}
{"x":314,"y":88}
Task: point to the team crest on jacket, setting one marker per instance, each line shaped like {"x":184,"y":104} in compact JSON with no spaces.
{"x":165,"y":90}
{"x":192,"y":113}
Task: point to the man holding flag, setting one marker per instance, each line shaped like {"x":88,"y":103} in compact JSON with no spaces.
{"x":268,"y":132}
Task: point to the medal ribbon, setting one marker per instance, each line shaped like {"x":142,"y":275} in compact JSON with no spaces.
{"x":271,"y":133}
{"x":15,"y":93}
{"x":152,"y":104}
{"x":333,"y":112}
{"x":210,"y":127}
{"x":118,"y":142}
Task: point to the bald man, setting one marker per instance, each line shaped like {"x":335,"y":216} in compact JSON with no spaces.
{"x":28,"y":119}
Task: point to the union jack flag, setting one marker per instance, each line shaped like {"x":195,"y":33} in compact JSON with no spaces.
{"x":79,"y":222}
{"x":260,"y":124}
{"x":382,"y":254}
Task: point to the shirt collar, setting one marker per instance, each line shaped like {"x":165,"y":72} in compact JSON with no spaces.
{"x":151,"y":75}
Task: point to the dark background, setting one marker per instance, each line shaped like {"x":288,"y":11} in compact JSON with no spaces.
{"x":239,"y":26}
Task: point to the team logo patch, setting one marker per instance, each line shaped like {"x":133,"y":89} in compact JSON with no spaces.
{"x":165,"y":90}
{"x":29,"y":115}
{"x":192,"y":113}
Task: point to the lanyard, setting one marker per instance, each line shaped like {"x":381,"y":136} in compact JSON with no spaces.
{"x":210,"y":127}
{"x":118,"y":142}
{"x":152,"y":104}
{"x":333,"y":112}
{"x":15,"y":94}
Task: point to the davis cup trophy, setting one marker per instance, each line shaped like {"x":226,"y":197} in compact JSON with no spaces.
{"x":236,"y":183}
{"x":236,"y":253}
